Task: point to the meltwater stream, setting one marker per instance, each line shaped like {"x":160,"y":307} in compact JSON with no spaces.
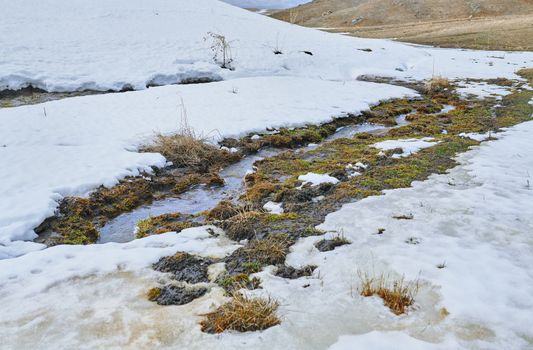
{"x":122,"y":228}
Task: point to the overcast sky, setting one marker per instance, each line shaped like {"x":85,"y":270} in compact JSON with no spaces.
{"x":267,"y":4}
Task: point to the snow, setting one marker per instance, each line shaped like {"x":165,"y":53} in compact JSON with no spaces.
{"x":483,"y":90}
{"x":72,"y":146}
{"x":317,"y":179}
{"x":477,"y":136}
{"x":477,"y":218}
{"x":84,"y":142}
{"x":386,"y":341}
{"x":480,"y":227}
{"x":409,"y":146}
{"x":273,"y":207}
{"x":102,"y":45}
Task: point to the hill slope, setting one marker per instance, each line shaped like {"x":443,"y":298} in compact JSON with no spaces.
{"x":412,"y":20}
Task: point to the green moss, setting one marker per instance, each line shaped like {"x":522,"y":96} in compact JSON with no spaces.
{"x":231,"y":283}
{"x":252,"y":267}
{"x":76,"y":230}
{"x":515,"y":109}
{"x":311,"y":231}
{"x":144,"y":227}
{"x":156,"y":225}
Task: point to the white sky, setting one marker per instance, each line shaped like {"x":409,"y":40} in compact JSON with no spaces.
{"x":266,"y":4}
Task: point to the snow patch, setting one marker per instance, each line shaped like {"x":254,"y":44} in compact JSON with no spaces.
{"x":317,"y":179}
{"x":274,"y":208}
{"x":409,"y":146}
{"x":483,"y":90}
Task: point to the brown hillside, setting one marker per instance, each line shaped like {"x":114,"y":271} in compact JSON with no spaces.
{"x":484,"y":24}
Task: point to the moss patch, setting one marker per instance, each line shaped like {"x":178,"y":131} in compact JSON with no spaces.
{"x":165,"y":223}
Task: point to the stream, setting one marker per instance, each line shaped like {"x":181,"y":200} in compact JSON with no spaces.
{"x":201,"y":198}
{"x":122,"y":228}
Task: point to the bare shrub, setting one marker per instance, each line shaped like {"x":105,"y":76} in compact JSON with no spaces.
{"x":397,"y":294}
{"x":221,"y":49}
{"x":243,"y":314}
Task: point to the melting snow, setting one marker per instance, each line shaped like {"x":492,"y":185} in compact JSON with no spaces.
{"x":317,"y":179}
{"x":409,"y":146}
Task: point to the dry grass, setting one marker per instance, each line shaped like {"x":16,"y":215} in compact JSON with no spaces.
{"x":269,"y":251}
{"x":437,"y":84}
{"x":187,"y":148}
{"x":223,"y":210}
{"x":397,"y":294}
{"x":242,"y":225}
{"x":243,"y":314}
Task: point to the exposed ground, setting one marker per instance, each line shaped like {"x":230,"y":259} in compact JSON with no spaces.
{"x":488,"y":25}
{"x":267,"y":237}
{"x":500,"y":33}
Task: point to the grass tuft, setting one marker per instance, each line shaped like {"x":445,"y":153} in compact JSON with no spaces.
{"x":437,"y":84}
{"x":397,"y":294}
{"x":243,"y":314}
{"x":187,"y":148}
{"x":269,"y":251}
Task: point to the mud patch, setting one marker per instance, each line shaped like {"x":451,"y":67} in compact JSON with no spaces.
{"x":175,"y":295}
{"x":185,"y":267}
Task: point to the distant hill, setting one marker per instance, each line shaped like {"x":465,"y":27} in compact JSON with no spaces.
{"x":487,"y":24}
{"x":383,"y":12}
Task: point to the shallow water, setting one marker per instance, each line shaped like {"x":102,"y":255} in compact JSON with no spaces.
{"x":122,"y":228}
{"x":350,"y":131}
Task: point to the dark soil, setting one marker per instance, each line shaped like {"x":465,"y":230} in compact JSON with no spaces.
{"x":175,"y":295}
{"x":185,"y":267}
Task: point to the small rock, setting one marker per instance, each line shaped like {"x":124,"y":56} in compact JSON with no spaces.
{"x":290,"y":272}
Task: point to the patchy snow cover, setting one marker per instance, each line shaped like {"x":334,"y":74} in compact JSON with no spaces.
{"x":409,"y":146}
{"x":480,"y":227}
{"x":273,"y":207}
{"x":483,"y":90}
{"x":477,"y":136}
{"x":317,"y":179}
{"x":101,"y":44}
{"x":71,"y":146}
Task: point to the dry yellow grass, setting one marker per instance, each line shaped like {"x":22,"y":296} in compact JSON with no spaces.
{"x":397,"y":295}
{"x":187,"y":148}
{"x":437,"y":84}
{"x":243,"y":314}
{"x":269,"y":251}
